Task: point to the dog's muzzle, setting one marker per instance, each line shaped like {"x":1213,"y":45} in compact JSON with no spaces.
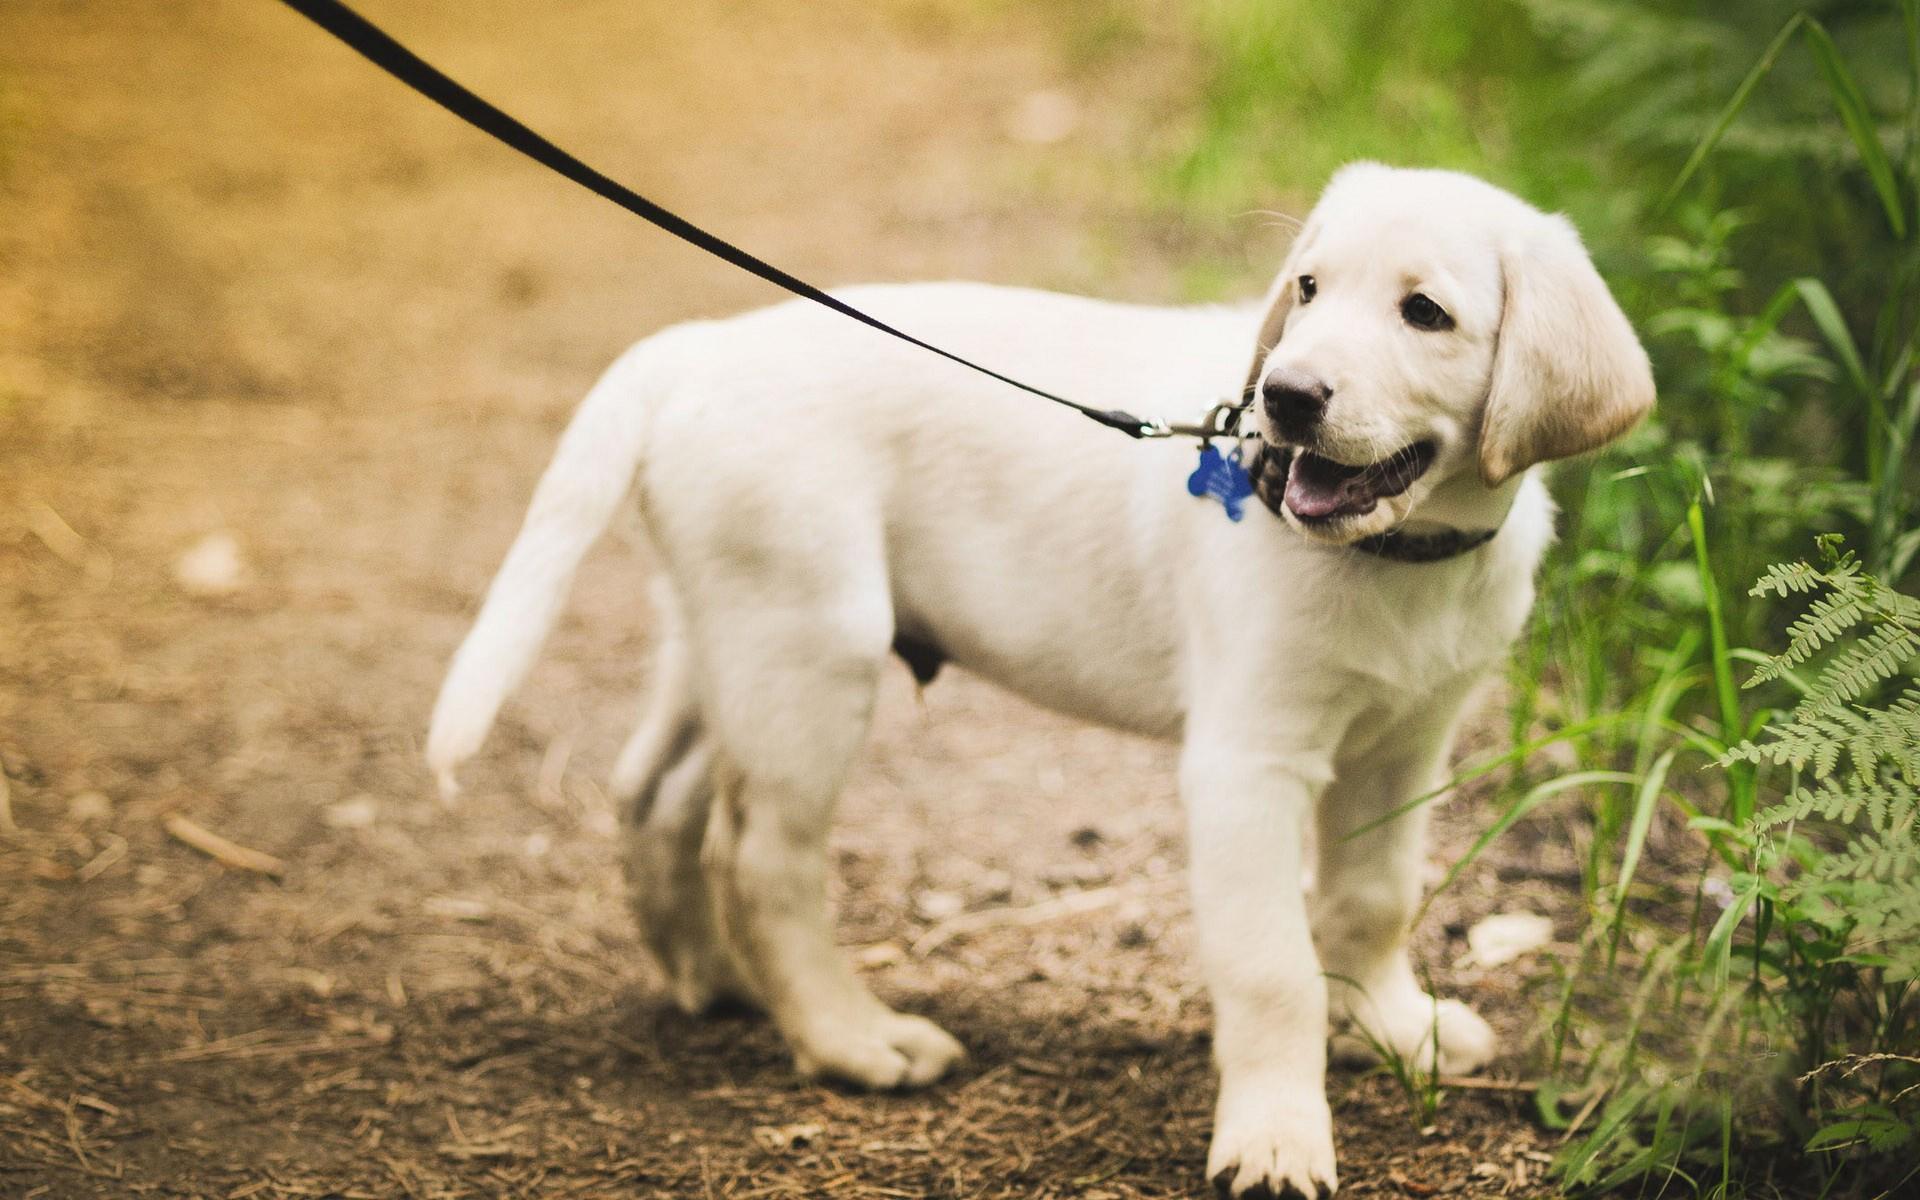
{"x":1320,"y":489}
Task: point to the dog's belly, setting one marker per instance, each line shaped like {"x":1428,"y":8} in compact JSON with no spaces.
{"x":1101,"y":697}
{"x":1127,"y":687}
{"x":1048,"y":578}
{"x":1069,"y":623}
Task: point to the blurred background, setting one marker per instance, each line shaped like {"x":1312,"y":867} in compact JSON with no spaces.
{"x":283,"y":348}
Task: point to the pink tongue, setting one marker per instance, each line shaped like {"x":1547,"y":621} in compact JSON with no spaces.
{"x":1318,"y":488}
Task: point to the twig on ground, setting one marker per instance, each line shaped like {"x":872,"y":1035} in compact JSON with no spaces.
{"x":32,"y":1096}
{"x":222,"y":850}
{"x":1580,"y":1118}
{"x":549,"y":791}
{"x":1471,"y":1083}
{"x":261,"y":1043}
{"x":67,"y":544}
{"x":73,"y":1139}
{"x":1072,"y":904}
{"x":115,"y":851}
{"x":394,"y":1169}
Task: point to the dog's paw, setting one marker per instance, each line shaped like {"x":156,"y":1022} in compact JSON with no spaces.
{"x":882,"y":1051}
{"x":1272,"y":1143}
{"x":1405,"y":1027}
{"x":683,"y":946}
{"x":701,"y":979}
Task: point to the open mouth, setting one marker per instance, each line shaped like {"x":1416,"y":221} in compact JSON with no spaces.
{"x":1320,"y":489}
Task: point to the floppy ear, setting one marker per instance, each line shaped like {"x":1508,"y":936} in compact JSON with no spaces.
{"x":1568,"y":373}
{"x":1274,"y":309}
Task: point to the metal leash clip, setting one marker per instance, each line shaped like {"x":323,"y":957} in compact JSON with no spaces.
{"x":1221,"y":421}
{"x":1223,"y":477}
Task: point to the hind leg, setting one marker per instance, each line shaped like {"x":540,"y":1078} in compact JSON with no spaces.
{"x":789,"y":690}
{"x":663,"y":783}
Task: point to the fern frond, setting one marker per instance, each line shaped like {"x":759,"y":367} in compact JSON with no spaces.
{"x":1879,"y":656}
{"x":1783,"y":579}
{"x":1789,"y":744}
{"x":1826,"y":620}
{"x":1873,"y":856}
{"x":1870,"y":809}
{"x":1798,"y":805}
{"x":1897,"y":606}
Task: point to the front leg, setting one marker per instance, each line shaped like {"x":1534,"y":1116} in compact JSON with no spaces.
{"x":1369,"y":887}
{"x":1246,"y":812}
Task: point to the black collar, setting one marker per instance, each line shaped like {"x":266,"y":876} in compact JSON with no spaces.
{"x":1424,"y":547}
{"x":1268,"y":468}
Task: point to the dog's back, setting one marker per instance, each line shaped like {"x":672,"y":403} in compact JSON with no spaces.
{"x":791,"y":423}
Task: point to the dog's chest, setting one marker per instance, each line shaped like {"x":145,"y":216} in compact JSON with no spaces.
{"x":1407,"y":630}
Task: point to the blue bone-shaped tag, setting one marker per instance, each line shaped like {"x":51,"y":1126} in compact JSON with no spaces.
{"x":1223,"y":478}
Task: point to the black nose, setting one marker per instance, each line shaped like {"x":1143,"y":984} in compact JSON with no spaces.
{"x":1295,"y":401}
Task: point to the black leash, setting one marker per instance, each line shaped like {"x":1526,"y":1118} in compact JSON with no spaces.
{"x":378,"y":48}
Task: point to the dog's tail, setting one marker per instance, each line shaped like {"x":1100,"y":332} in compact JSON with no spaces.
{"x":577,"y":497}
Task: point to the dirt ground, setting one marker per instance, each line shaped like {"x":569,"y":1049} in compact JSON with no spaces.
{"x":248,"y":287}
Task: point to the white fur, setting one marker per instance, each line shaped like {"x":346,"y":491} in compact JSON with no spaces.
{"x":814,"y":489}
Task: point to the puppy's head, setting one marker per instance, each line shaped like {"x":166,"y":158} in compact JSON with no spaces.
{"x":1429,"y":329}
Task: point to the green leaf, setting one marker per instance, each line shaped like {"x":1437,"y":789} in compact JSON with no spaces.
{"x":1697,"y":739}
{"x":1489,"y":766}
{"x":1719,"y":946}
{"x":1732,"y":110}
{"x":1740,"y":801}
{"x":1616,"y":1118}
{"x":1841,"y":1133}
{"x":1858,"y":120}
{"x":1546,"y":1105}
{"x":1904,"y":549}
{"x":1706,"y":824}
{"x":1762,"y":326}
{"x":1656,"y":778}
{"x":1531,"y":800}
{"x":1833,"y":327}
{"x":1675,"y":682}
{"x":1881,"y":1130}
{"x":1909,"y":418}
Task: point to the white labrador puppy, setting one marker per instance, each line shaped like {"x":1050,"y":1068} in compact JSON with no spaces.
{"x":818,"y":493}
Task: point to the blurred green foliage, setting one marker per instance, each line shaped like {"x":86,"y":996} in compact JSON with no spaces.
{"x":1293,"y":90}
{"x":1584,"y":106}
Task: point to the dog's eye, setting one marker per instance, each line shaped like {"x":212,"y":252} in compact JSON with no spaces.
{"x":1422,"y":313}
{"x":1308,"y":289}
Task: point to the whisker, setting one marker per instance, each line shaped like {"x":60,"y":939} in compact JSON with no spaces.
{"x":1281,"y":219}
